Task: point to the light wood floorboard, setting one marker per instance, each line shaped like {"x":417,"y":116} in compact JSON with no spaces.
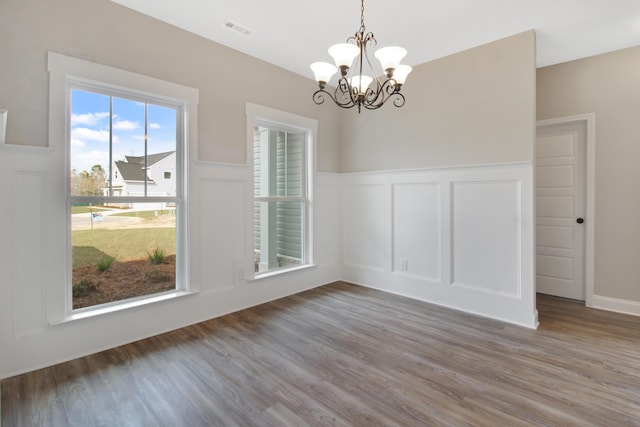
{"x":344,"y":355}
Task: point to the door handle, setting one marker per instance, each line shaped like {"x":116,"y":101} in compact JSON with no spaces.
{"x":580,"y":220}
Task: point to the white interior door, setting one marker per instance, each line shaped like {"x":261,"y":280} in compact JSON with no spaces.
{"x":560,"y":210}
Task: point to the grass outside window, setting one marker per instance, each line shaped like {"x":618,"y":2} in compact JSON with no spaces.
{"x":123,"y":255}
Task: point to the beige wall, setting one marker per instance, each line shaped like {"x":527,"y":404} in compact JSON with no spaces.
{"x":609,"y":86}
{"x":474,"y":107}
{"x":104,"y":32}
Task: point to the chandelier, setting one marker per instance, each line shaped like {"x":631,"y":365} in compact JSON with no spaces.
{"x":355,"y":88}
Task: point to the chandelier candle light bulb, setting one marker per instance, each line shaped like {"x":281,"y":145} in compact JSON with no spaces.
{"x":400,"y":74}
{"x":343,"y":55}
{"x":323,"y":72}
{"x":354,"y":88}
{"x":360,"y":84}
{"x":390,"y":58}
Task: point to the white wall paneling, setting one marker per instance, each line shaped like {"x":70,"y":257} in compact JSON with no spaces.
{"x":458,"y":237}
{"x":222,"y":227}
{"x":327,"y":207}
{"x":417,"y":230}
{"x":365,"y":215}
{"x":27,"y":251}
{"x":485,"y":236}
{"x":366,"y":226}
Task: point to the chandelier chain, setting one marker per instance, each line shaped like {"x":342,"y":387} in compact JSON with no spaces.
{"x":362,"y":27}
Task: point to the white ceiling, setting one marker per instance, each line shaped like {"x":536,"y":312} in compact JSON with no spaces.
{"x":294,"y":33}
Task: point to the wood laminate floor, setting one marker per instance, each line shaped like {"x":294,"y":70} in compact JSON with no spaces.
{"x":343,"y":355}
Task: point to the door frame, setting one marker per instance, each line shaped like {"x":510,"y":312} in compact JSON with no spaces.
{"x":589,"y":120}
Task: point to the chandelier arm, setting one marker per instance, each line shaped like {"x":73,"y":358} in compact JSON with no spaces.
{"x":398,"y":99}
{"x":318,"y":98}
{"x":383,"y":91}
{"x":346,"y":92}
{"x":377,"y":99}
{"x":370,"y":39}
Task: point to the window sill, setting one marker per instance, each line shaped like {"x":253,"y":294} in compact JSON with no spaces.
{"x":278,"y":272}
{"x":119,"y":306}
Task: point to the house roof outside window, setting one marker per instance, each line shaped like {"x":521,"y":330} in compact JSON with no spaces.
{"x":132,"y":168}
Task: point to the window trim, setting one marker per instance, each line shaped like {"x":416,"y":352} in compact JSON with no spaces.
{"x":64,"y":71}
{"x":258,"y":115}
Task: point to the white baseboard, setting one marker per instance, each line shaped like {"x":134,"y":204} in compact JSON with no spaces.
{"x":617,"y":305}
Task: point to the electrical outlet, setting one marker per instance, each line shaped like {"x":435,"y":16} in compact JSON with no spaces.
{"x":404,"y":265}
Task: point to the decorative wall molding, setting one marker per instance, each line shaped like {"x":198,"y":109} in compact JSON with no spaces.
{"x":454,"y":168}
{"x":28,"y":251}
{"x":468,"y":246}
{"x":420,"y":221}
{"x":26,"y":149}
{"x":222,"y":228}
{"x":366,"y":220}
{"x":486,"y":239}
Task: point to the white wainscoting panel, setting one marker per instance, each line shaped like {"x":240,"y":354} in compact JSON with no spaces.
{"x":486,"y":236}
{"x":327,"y":220}
{"x":222,"y":224}
{"x":365,"y":220}
{"x":27,"y":251}
{"x":457,"y":237}
{"x":417,"y":230}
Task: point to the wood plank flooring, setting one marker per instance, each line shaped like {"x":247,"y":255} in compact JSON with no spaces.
{"x":343,"y":355}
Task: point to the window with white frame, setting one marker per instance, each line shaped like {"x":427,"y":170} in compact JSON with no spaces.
{"x":123,"y":207}
{"x":282,"y":171}
{"x":126,"y":138}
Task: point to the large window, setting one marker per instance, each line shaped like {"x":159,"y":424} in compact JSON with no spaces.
{"x":125,"y":193}
{"x":282,"y":166}
{"x":123,"y":140}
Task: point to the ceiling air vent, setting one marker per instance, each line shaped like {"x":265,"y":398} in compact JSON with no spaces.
{"x":239,"y":28}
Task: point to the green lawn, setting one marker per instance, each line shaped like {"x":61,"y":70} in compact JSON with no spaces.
{"x":90,"y":246}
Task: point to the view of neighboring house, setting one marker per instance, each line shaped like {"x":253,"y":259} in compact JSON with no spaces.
{"x":131,"y":177}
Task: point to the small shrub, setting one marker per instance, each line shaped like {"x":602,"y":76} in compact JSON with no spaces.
{"x":84,"y":287}
{"x":105,"y":263}
{"x":156,"y":257}
{"x":156,"y":276}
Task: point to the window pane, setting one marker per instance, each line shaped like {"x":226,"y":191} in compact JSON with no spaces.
{"x":138,"y":169}
{"x":129,"y":173}
{"x":278,"y":159}
{"x":122,"y":253}
{"x":278,"y":234}
{"x":289,"y":163}
{"x":161,"y":163}
{"x":89,"y":145}
{"x":289,"y":232}
{"x":260,"y":154}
